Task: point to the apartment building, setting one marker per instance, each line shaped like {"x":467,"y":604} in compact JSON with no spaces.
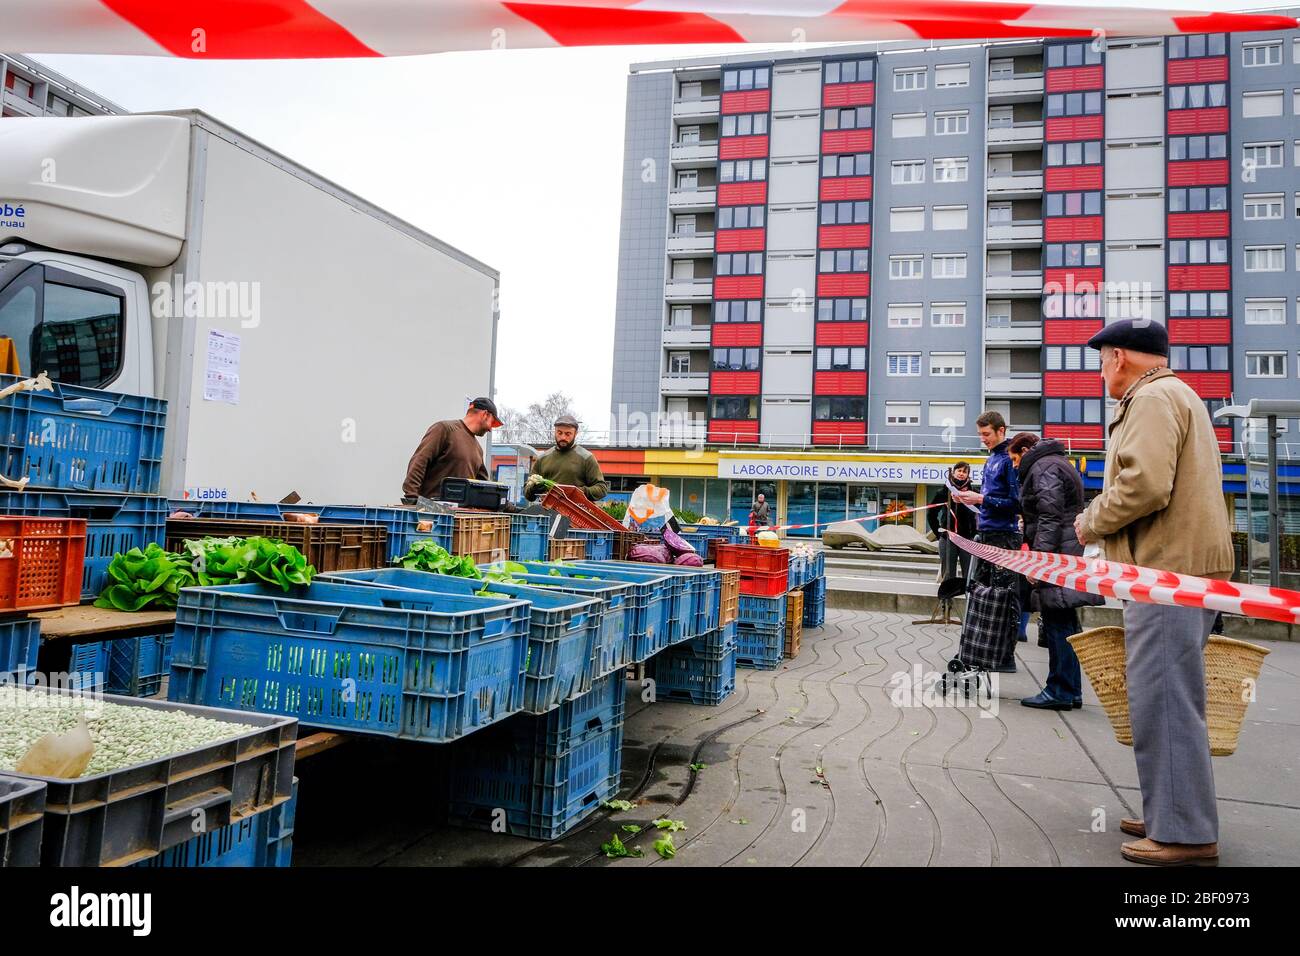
{"x":29,"y":89}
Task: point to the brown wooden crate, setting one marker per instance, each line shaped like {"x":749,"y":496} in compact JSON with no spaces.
{"x":568,"y":549}
{"x":484,"y":537}
{"x":327,"y":547}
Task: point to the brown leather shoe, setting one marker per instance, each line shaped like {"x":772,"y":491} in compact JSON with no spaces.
{"x":1133,"y":827}
{"x":1171,"y":854}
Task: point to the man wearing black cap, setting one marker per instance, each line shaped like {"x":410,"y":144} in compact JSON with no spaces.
{"x":1162,"y":507}
{"x":450,"y":449}
{"x":568,"y":463}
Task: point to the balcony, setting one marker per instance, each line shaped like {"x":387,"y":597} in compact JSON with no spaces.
{"x":1026,"y":333}
{"x":1025,"y":134}
{"x":686,"y":336}
{"x":1017,"y":429}
{"x":14,"y":103}
{"x":684,"y":383}
{"x":696,"y":244}
{"x":1022,"y":185}
{"x":674,"y":430}
{"x":1025,"y":233}
{"x":1022,"y":87}
{"x":699,"y":107}
{"x":1014,"y":385}
{"x":693,"y":200}
{"x":694,"y":154}
{"x":694,"y":290}
{"x":1019,"y":283}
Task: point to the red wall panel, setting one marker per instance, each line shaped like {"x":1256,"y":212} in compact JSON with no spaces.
{"x":1225,"y":438}
{"x":739,"y":240}
{"x":1078,"y":279}
{"x":742,"y":147}
{"x":1213,"y":119}
{"x":742,"y":194}
{"x":847,"y":141}
{"x":1072,"y":384}
{"x":1074,"y":127}
{"x":1198,"y":172}
{"x":844,"y":237}
{"x":1182,"y":225}
{"x":839,"y":433}
{"x":1077,"y":436}
{"x":738,"y":287}
{"x":1069,"y":331}
{"x":845,"y":187}
{"x":1200,"y":331}
{"x":1213,"y":277}
{"x":745,"y":431}
{"x":842,"y":333}
{"x":1073,"y":229}
{"x":1209,"y":69}
{"x":735,"y":383}
{"x":1063,"y":79}
{"x":839,"y":383}
{"x":736,"y":334}
{"x":849,"y":94}
{"x":844,"y":283}
{"x":746,"y":101}
{"x":1209,"y":384}
{"x":1065,"y":178}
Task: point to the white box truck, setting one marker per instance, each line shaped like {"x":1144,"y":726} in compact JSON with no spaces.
{"x":303,"y":338}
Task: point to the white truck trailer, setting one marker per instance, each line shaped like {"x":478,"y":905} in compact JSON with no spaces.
{"x":303,"y":338}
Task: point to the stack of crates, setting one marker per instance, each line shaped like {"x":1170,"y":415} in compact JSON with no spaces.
{"x":540,"y":776}
{"x":699,"y":536}
{"x":793,"y":622}
{"x":760,"y":635}
{"x":699,"y":671}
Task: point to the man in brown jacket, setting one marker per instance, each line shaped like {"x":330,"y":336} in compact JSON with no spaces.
{"x":1162,"y":507}
{"x":450,"y":449}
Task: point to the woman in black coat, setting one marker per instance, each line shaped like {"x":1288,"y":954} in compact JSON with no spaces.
{"x":1051,"y":495}
{"x":952,"y":516}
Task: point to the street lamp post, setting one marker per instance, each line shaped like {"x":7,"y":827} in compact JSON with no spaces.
{"x":1270,"y":410}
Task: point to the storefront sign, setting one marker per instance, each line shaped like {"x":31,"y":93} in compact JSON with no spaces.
{"x":892,"y":472}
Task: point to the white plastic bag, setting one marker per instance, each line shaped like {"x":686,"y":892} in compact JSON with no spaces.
{"x":647,"y":509}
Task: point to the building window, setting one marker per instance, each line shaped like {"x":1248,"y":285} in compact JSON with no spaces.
{"x":948,"y":266}
{"x":952,"y":123}
{"x":842,"y":359}
{"x":739,"y":264}
{"x":850,"y":71}
{"x":953,"y":169}
{"x":19,"y":85}
{"x":909,"y":79}
{"x":734,"y":360}
{"x":904,"y":363}
{"x":691,"y":90}
{"x":840,"y":409}
{"x":742,"y":170}
{"x":1079,"y":104}
{"x":756,"y":78}
{"x":1265,"y":259}
{"x":905,"y":315}
{"x":902,"y":413}
{"x":1072,"y":254}
{"x":1073,"y":411}
{"x":684,"y":225}
{"x":844,"y":260}
{"x":846,"y":213}
{"x":1198,"y":358}
{"x":948,"y":314}
{"x":850,"y":117}
{"x":1198,"y":199}
{"x":1074,"y":154}
{"x":951,"y":75}
{"x":947,"y":414}
{"x":1261,"y":155}
{"x":906,"y":267}
{"x":1073,"y":204}
{"x":1198,"y":147}
{"x":907,"y":219}
{"x":60,"y":107}
{"x":1072,"y":358}
{"x":1266,"y":311}
{"x":741,"y":217}
{"x":745,"y":124}
{"x":947,"y":363}
{"x":1198,"y":304}
{"x":1261,"y":53}
{"x":1073,"y":54}
{"x":907,"y":124}
{"x":734,"y":408}
{"x":688,"y":178}
{"x":1265,"y":365}
{"x":1002,"y":69}
{"x":1262,"y":206}
{"x":847,"y":164}
{"x":679,"y":363}
{"x":1197,"y":45}
{"x":1263,"y":103}
{"x":905,"y":171}
{"x":738,"y":310}
{"x":1197,"y":252}
{"x":841,"y":310}
{"x":680,"y":317}
{"x":947,"y":218}
{"x":1198,"y":96}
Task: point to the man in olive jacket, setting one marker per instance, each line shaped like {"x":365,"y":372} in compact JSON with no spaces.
{"x":1162,"y":506}
{"x":568,"y":463}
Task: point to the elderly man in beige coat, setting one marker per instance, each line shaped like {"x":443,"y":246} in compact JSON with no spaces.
{"x":1162,"y":506}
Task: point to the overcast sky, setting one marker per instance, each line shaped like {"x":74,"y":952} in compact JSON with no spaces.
{"x":513,"y":156}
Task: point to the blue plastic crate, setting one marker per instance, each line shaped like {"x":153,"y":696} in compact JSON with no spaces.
{"x":700,"y":542}
{"x":719,"y":641}
{"x":698,"y":597}
{"x":814,"y":610}
{"x":389,"y":661}
{"x":563,"y":633}
{"x":88,"y":666}
{"x":600,"y":544}
{"x":798,"y":573}
{"x":815,"y":590}
{"x":576,"y":721}
{"x":543,"y":792}
{"x":263,"y":840}
{"x":817,"y":566}
{"x":114,"y":523}
{"x":529,"y":534}
{"x":760,"y":646}
{"x":404,"y":524}
{"x":20,"y":642}
{"x":723,"y":532}
{"x":761,"y":610}
{"x":682,"y":676}
{"x":82,"y":439}
{"x":136,"y":665}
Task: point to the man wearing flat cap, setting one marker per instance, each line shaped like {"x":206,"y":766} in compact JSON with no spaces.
{"x":450,"y":449}
{"x":1162,"y":507}
{"x":568,"y":463}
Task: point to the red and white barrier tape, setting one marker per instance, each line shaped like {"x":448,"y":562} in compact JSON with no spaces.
{"x":299,"y":29}
{"x":1130,"y":582}
{"x":821,"y":524}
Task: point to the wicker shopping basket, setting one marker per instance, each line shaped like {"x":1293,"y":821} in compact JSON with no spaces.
{"x":1230,"y":668}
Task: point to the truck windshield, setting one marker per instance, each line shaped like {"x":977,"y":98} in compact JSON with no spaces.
{"x":73,"y":333}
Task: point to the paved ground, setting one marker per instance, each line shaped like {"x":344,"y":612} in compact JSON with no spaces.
{"x":817,"y":764}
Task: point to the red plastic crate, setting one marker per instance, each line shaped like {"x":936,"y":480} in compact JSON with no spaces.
{"x":764,"y":583}
{"x":749,"y":557}
{"x":41,"y":562}
{"x":582,"y":513}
